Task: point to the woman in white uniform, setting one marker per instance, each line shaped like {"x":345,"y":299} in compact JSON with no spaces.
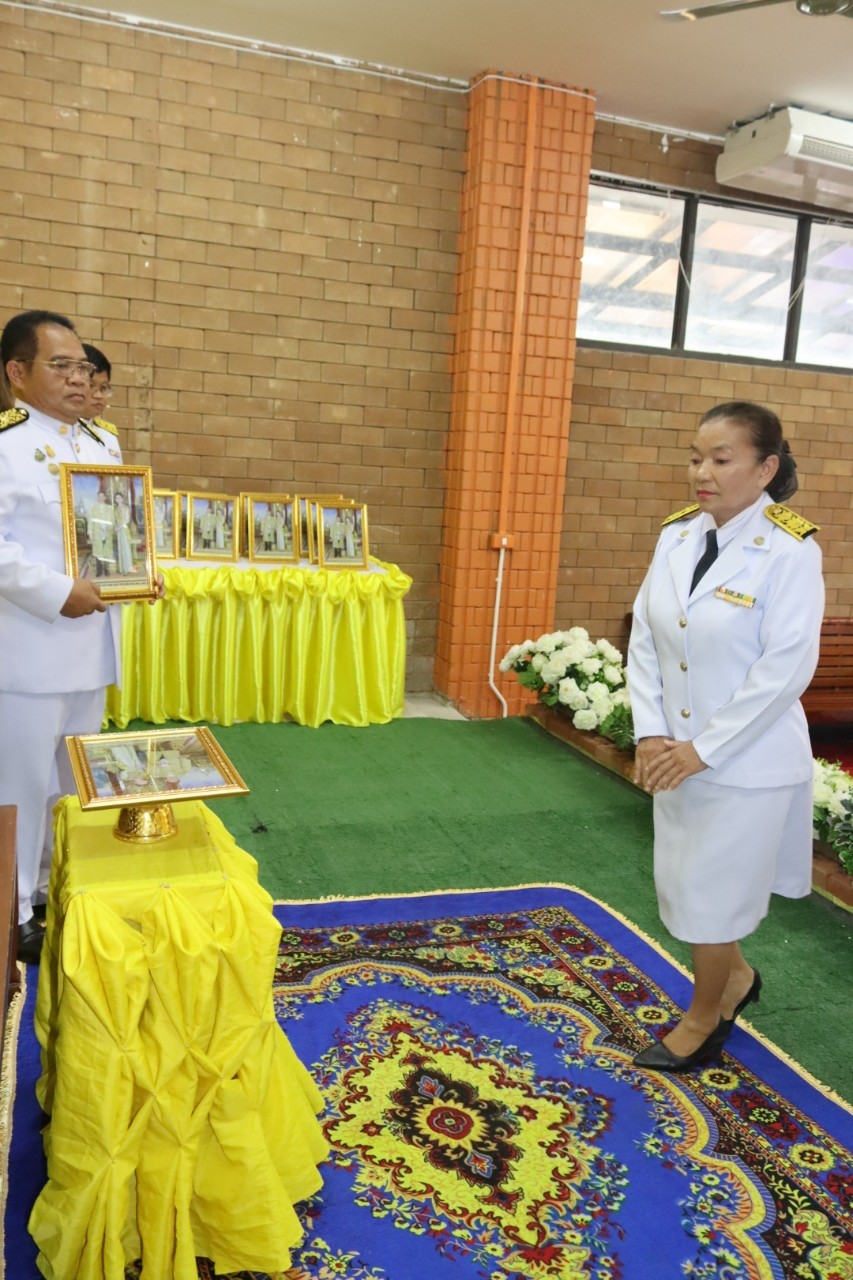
{"x":725,"y":639}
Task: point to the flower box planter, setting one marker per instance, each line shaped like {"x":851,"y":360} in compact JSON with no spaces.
{"x":829,"y":878}
{"x":559,"y":723}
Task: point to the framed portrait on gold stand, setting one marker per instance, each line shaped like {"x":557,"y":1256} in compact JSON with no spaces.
{"x":167,"y":524}
{"x":272,"y":533}
{"x":341,"y":534}
{"x":141,"y":773}
{"x":108,"y":529}
{"x":213,"y":526}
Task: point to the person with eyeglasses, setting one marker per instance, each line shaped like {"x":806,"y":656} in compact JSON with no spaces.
{"x":100,"y":395}
{"x":60,"y":643}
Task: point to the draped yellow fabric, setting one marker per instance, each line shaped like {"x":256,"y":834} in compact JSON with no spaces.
{"x":235,"y":643}
{"x":182,"y":1124}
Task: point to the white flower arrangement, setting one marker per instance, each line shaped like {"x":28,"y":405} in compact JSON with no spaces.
{"x":568,"y":669}
{"x":833,"y":810}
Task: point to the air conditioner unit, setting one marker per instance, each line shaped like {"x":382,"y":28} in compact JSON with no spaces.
{"x":799,"y":155}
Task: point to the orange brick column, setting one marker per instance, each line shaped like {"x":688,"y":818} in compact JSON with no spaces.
{"x":523,"y":214}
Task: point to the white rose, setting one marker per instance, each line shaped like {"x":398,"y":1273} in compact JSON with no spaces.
{"x":822,"y":792}
{"x":570,"y":695}
{"x":610,"y":652}
{"x":599,"y":694}
{"x":552,"y":673}
{"x":510,"y":657}
{"x":538,"y":661}
{"x":612,"y":674}
{"x":621,"y":698}
{"x":584,"y":720}
{"x":590,"y":666}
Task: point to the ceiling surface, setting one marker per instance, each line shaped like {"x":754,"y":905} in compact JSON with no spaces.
{"x":696,"y":77}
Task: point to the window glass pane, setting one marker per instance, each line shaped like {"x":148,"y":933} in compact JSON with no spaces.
{"x":826,"y":322}
{"x":740,"y":283}
{"x":630,"y":266}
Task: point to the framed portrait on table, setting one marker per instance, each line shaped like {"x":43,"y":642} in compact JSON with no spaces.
{"x":270,"y":531}
{"x":213,"y":526}
{"x":341,"y":535}
{"x":308,"y":522}
{"x":167,"y":524}
{"x":108,"y":529}
{"x":113,"y":770}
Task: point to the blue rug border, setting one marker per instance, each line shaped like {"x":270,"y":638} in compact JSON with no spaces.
{"x":765,"y":1060}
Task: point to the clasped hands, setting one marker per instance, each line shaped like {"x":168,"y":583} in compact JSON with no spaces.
{"x":660,"y":764}
{"x":85,"y":598}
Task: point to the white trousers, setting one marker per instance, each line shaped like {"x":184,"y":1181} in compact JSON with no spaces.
{"x":720,"y":852}
{"x":35,"y":771}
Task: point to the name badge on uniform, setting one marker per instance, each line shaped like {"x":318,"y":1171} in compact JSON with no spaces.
{"x":734,"y":597}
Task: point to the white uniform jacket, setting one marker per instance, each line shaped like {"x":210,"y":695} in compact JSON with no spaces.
{"x":726,"y":666}
{"x":42,"y":651}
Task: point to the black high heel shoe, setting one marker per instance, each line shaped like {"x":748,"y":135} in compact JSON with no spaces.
{"x":658,"y":1058}
{"x":752,"y":996}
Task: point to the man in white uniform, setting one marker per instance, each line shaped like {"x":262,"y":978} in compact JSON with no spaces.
{"x":60,"y":644}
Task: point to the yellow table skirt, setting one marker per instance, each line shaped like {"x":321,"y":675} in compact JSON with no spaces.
{"x":182,"y":1124}
{"x":235,"y":643}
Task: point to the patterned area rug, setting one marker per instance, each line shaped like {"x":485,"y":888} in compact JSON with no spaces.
{"x":486,"y":1120}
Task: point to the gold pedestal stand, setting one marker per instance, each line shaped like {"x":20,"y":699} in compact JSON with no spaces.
{"x":145,"y":823}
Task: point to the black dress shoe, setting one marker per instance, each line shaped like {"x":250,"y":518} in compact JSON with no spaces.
{"x":658,"y":1058}
{"x":40,"y":911}
{"x":752,"y":996}
{"x":30,"y":941}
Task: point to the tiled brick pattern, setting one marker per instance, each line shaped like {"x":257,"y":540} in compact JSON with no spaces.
{"x":633,"y":418}
{"x":522,"y":226}
{"x":634,"y":414}
{"x":267,"y":250}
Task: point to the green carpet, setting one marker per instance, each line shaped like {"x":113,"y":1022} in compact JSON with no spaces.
{"x":424,"y":804}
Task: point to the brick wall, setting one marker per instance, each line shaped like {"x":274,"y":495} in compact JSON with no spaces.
{"x":633,"y":418}
{"x":266,"y":249}
{"x":634,"y":415}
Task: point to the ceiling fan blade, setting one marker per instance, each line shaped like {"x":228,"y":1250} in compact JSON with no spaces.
{"x":713,"y":10}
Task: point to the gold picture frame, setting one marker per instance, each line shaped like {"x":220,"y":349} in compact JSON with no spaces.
{"x":213,"y":526}
{"x":167,"y":523}
{"x":341,"y":535}
{"x":307,"y":521}
{"x":269,"y":527}
{"x":118,"y":770}
{"x":108,"y":528}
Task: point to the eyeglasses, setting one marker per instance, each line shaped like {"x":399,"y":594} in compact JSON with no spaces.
{"x":105,"y":391}
{"x":65,"y":366}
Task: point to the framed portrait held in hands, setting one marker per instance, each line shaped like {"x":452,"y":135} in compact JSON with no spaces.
{"x":108,"y":529}
{"x":213,"y":526}
{"x":271,"y":532}
{"x":341,"y":535}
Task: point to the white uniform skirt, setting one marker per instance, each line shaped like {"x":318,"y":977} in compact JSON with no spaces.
{"x":721,"y":851}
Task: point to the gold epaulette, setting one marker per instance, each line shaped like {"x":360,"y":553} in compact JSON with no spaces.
{"x":798,"y":526}
{"x":105,"y":426}
{"x":12,"y":418}
{"x":681,"y":515}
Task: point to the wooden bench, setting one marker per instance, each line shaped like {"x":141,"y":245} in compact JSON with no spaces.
{"x":829,"y":698}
